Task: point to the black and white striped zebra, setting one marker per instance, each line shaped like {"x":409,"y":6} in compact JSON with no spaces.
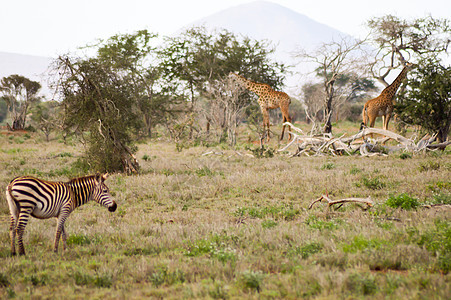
{"x":29,"y":196}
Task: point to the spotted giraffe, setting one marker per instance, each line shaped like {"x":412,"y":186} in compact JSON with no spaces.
{"x":267,"y":99}
{"x":383,"y":104}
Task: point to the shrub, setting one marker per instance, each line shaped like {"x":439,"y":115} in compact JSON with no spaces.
{"x":252,"y":280}
{"x":403,"y":201}
{"x":328,"y":166}
{"x":78,"y":239}
{"x":363,"y":284}
{"x":269,"y":224}
{"x":373,"y":183}
{"x":359,"y":243}
{"x":307,"y":250}
{"x":429,"y":166}
{"x":3,"y":280}
{"x":405,"y":155}
{"x":162,"y":275}
{"x":313,"y":222}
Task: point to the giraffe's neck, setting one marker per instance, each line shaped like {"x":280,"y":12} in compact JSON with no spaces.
{"x":249,"y":84}
{"x":390,"y":90}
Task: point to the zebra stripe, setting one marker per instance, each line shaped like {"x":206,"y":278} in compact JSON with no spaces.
{"x":43,"y":199}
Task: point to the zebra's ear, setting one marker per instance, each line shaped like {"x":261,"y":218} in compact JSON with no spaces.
{"x":105,"y":176}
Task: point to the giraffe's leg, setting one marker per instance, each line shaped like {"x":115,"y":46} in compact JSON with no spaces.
{"x":386,"y":120}
{"x":286,"y":118}
{"x":266,"y":122}
{"x":24,"y":215}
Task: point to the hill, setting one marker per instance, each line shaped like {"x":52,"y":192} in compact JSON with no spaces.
{"x":286,"y":29}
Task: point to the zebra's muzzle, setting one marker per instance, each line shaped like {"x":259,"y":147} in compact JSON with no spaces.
{"x":112,"y":207}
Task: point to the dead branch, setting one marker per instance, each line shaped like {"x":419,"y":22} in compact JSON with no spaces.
{"x":439,"y":206}
{"x":327,"y":144}
{"x":331,"y":202}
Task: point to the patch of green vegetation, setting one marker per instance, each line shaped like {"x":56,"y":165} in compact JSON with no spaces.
{"x":38,"y":279}
{"x":146,"y":157}
{"x":4,"y":281}
{"x":11,"y":151}
{"x":315,"y":223}
{"x":215,"y":246}
{"x":283,"y":212}
{"x":251,"y":280}
{"x":438,"y":242}
{"x":374,"y":183}
{"x":267,"y":224}
{"x":328,"y":166}
{"x":430,"y":165}
{"x":204,"y":171}
{"x":354,"y":170}
{"x":78,"y":239}
{"x":403,"y":201}
{"x":359,"y":243}
{"x":306,"y":250}
{"x":161,"y":275}
{"x":102,"y":280}
{"x":361,"y":284}
{"x":405,"y":155}
{"x":262,"y":152}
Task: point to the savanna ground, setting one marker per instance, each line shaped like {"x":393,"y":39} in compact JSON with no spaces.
{"x":234,"y":226}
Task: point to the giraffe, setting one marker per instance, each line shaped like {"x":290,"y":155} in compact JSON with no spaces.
{"x":267,"y":99}
{"x":383,"y":104}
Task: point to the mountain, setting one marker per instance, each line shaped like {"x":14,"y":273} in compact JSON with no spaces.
{"x":32,"y":67}
{"x":285,"y":28}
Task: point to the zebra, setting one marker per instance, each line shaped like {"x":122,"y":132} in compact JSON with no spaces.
{"x":43,"y":199}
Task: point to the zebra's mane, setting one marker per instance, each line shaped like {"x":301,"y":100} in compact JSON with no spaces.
{"x":77,"y":179}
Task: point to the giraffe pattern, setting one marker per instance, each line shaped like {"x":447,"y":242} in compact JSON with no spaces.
{"x":383,"y":104}
{"x":267,"y":99}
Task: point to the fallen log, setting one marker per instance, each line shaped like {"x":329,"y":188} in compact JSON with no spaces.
{"x":331,"y":202}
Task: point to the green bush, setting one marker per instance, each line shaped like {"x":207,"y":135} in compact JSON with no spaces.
{"x":252,"y":280}
{"x":328,"y":166}
{"x":403,"y":201}
{"x":363,"y":284}
{"x":374,"y":183}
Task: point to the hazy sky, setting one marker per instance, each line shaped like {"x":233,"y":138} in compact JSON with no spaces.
{"x":52,"y":27}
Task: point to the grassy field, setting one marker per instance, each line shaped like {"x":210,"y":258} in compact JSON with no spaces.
{"x":227,"y":225}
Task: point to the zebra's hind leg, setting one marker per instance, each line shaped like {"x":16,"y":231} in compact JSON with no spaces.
{"x":14,"y":211}
{"x":12,"y":233}
{"x":63,"y":235}
{"x":24,"y":215}
{"x":60,"y":229}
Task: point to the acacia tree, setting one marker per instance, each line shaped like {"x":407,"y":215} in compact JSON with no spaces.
{"x":336,"y":61}
{"x":398,"y":41}
{"x":427,"y":101}
{"x":19,"y":93}
{"x":104,"y":96}
{"x":200,"y":60}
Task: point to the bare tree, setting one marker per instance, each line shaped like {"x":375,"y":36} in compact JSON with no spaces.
{"x":335,"y":60}
{"x":399,"y":41}
{"x":225,"y":107}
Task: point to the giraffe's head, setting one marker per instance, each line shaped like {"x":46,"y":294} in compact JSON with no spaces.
{"x":410,"y":65}
{"x":238,"y":78}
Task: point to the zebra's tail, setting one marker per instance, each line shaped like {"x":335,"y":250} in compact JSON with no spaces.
{"x":12,"y":203}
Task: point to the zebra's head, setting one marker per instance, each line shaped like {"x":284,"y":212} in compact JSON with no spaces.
{"x":101,"y":193}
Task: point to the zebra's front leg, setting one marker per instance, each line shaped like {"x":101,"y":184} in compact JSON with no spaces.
{"x":24,"y":215}
{"x":60,"y":230}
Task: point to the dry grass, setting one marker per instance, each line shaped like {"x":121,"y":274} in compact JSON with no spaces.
{"x":231,"y":226}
